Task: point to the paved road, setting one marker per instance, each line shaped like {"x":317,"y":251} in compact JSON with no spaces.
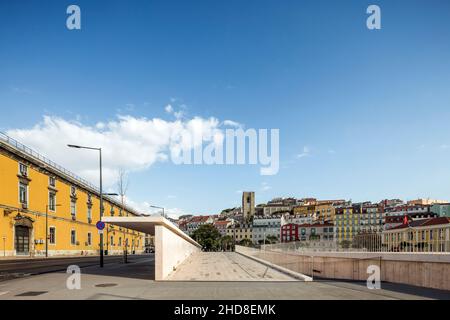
{"x":135,"y":281}
{"x":225,"y":266}
{"x":10,"y":269}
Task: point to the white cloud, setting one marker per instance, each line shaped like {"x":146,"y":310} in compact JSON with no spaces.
{"x":20,"y":90}
{"x":231,"y":123}
{"x":144,"y":208}
{"x":128,"y":142}
{"x":265,"y":187}
{"x":169,"y":108}
{"x":178,"y":114}
{"x":174,"y":213}
{"x":306,"y":153}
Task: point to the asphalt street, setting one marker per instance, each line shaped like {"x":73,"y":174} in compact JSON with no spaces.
{"x":10,"y":269}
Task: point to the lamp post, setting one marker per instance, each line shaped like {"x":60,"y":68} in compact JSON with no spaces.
{"x":101,"y":193}
{"x":155,"y":207}
{"x":46,"y":226}
{"x":4,"y":246}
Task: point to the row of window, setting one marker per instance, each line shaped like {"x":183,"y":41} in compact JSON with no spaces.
{"x":52,"y":204}
{"x":373,"y":222}
{"x":73,"y":238}
{"x":433,"y":234}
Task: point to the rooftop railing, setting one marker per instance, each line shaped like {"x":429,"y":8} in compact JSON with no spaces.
{"x":30,"y":152}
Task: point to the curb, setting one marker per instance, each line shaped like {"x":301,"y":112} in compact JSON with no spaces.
{"x":293,"y":274}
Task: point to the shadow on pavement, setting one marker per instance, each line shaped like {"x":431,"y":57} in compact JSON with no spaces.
{"x":393,"y":287}
{"x":138,"y":267}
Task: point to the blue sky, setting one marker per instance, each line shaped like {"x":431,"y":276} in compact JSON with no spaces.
{"x":369,"y":110}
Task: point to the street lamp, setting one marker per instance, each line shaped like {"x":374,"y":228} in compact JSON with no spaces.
{"x":46,"y":226}
{"x":101,"y":193}
{"x":155,"y":207}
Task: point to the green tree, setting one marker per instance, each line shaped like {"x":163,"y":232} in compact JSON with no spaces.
{"x":271,"y":239}
{"x":226,"y":243}
{"x":246,"y":243}
{"x":207,"y":236}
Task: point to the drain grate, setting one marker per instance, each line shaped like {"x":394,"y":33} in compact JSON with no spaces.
{"x":31,"y":294}
{"x":106,"y":285}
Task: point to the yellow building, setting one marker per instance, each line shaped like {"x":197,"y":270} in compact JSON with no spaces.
{"x":324,"y":212}
{"x":422,"y":235}
{"x":304,"y":210}
{"x":346,"y":222}
{"x":240,"y":232}
{"x":33,"y":188}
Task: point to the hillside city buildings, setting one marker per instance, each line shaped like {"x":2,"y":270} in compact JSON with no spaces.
{"x":333,"y":223}
{"x":47,"y":210}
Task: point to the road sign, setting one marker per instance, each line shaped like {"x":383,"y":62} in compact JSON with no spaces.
{"x":100,"y":225}
{"x":100,"y":231}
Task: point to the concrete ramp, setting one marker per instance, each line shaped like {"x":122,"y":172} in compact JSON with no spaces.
{"x":225,"y":266}
{"x":172,"y":246}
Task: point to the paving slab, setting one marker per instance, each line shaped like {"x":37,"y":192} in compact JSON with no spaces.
{"x":225,"y":266}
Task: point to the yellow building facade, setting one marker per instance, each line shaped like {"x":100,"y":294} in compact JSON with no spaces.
{"x":34,"y":192}
{"x":325,"y":212}
{"x":345,"y":224}
{"x":304,"y":211}
{"x":239,"y":232}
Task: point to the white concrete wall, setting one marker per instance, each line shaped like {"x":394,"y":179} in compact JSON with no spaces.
{"x":430,"y":270}
{"x":171,"y":249}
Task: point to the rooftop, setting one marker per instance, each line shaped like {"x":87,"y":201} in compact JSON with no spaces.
{"x":42,"y":161}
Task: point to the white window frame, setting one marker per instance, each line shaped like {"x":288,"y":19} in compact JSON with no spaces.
{"x":26,"y":193}
{"x":74,"y":214}
{"x":54,"y":235}
{"x":50,"y":179}
{"x":89,"y":238}
{"x":89,"y":213}
{"x":23,"y":165}
{"x":52,"y":209}
{"x":73,"y":243}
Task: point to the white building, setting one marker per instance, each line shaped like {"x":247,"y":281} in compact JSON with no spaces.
{"x":286,"y":219}
{"x":270,"y":209}
{"x":266,"y":226}
{"x":196,"y":222}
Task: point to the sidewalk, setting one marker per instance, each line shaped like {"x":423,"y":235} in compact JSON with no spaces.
{"x":225,"y":266}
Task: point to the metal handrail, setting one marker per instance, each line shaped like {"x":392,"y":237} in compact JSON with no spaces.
{"x":30,"y":152}
{"x":14,"y":143}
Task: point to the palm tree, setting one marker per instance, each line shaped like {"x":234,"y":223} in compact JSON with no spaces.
{"x":246,"y":243}
{"x":271,"y":239}
{"x":226,"y":243}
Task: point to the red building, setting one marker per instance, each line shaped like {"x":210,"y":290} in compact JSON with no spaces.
{"x":289,"y":232}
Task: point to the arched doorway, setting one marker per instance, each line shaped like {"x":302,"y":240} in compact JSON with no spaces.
{"x":22,"y":240}
{"x":22,"y":235}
